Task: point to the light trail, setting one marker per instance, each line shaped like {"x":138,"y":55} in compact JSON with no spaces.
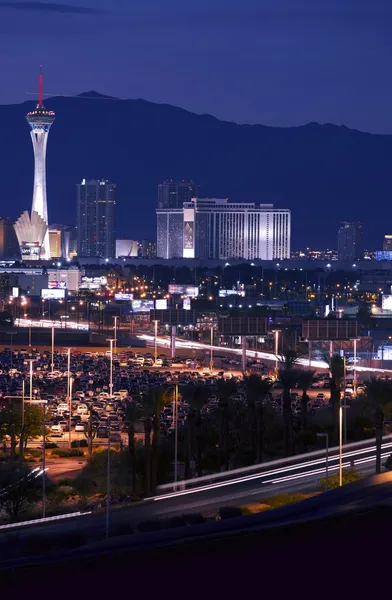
{"x":317,"y":364}
{"x":303,"y":465}
{"x":49,"y":323}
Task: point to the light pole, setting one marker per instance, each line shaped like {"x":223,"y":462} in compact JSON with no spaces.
{"x":52,"y":350}
{"x":276,"y":332}
{"x":322,"y":435}
{"x":212,"y":342}
{"x":175,"y":418}
{"x":111,"y":367}
{"x":70,"y":413}
{"x":115,"y":335}
{"x":21,"y":445}
{"x":355,"y":340}
{"x":155,"y":339}
{"x":340,"y":444}
{"x":108,"y":487}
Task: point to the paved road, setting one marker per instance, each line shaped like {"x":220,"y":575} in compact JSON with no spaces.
{"x":299,"y":474}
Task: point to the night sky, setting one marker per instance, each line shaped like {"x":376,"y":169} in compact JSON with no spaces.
{"x":276,"y":62}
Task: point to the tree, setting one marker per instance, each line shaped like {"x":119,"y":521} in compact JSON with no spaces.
{"x":336,"y":368}
{"x":19,"y":488}
{"x":132,"y":414}
{"x":379,"y":393}
{"x":256,"y":392}
{"x":91,"y":432}
{"x":225,"y":390}
{"x":288,"y":376}
{"x":196,"y":396}
{"x":157,"y":398}
{"x":11,"y":423}
{"x":305,"y":380}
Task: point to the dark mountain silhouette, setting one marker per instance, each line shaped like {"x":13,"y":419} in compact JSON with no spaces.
{"x":324,"y":173}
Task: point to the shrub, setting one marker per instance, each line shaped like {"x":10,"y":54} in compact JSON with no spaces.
{"x":79,"y":444}
{"x":230,"y":512}
{"x":121,"y":529}
{"x":349,"y":476}
{"x":147,"y":526}
{"x":61,"y":453}
{"x":76,"y":452}
{"x":174,"y":522}
{"x":194,"y":519}
{"x":70,"y":540}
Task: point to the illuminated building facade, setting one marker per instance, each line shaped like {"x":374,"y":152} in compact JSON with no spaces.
{"x":212,"y":228}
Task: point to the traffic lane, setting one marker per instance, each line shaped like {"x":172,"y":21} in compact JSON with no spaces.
{"x":284,"y":467}
{"x":93,"y":526}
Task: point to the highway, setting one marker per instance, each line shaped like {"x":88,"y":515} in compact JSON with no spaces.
{"x":301,"y":473}
{"x":164,"y":342}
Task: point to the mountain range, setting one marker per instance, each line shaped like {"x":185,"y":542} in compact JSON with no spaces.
{"x":324,"y":173}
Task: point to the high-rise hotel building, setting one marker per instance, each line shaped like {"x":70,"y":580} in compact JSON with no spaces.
{"x":212,"y":228}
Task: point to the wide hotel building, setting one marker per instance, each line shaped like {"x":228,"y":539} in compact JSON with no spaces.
{"x":212,"y":228}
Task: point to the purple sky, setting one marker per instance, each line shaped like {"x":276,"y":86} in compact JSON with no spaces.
{"x":276,"y":62}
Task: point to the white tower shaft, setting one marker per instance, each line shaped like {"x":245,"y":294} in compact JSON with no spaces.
{"x":39,"y":138}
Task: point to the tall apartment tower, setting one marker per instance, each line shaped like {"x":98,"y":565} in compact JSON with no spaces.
{"x":96,"y":218}
{"x":173,"y":194}
{"x":350,"y":241}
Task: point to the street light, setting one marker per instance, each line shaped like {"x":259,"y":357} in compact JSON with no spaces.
{"x":340,"y":445}
{"x":175,"y":420}
{"x":276,"y":332}
{"x":212,"y":342}
{"x":322,"y":435}
{"x":111,"y":340}
{"x":115,"y":334}
{"x":52,"y":349}
{"x":155,"y":339}
{"x":69,"y":389}
{"x":70,"y":412}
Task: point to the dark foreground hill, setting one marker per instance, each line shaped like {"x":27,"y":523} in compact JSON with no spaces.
{"x":324,"y":173}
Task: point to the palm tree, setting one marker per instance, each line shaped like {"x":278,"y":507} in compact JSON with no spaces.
{"x":256,"y":392}
{"x":305,"y":380}
{"x":379,"y":392}
{"x":225,"y":390}
{"x":132,"y":414}
{"x":336,"y":368}
{"x":288,"y":376}
{"x":196,"y":396}
{"x":147,"y":448}
{"x":156,"y":400}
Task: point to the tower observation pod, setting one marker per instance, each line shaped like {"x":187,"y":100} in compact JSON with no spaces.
{"x":40,"y":121}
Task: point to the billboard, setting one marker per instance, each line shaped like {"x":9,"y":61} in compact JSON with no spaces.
{"x":57,"y":285}
{"x":93,"y":283}
{"x":387,"y":302}
{"x":330,"y":329}
{"x":224,"y":293}
{"x":142,"y":305}
{"x":174,"y":316}
{"x":183,"y":290}
{"x":161,"y":304}
{"x":52,"y":294}
{"x":30,"y":249}
{"x":186,"y":305}
{"x":243,"y":325}
{"x":15,"y":292}
{"x":123,"y":296}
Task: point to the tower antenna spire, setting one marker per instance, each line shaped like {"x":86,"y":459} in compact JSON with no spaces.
{"x":40,"y":87}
